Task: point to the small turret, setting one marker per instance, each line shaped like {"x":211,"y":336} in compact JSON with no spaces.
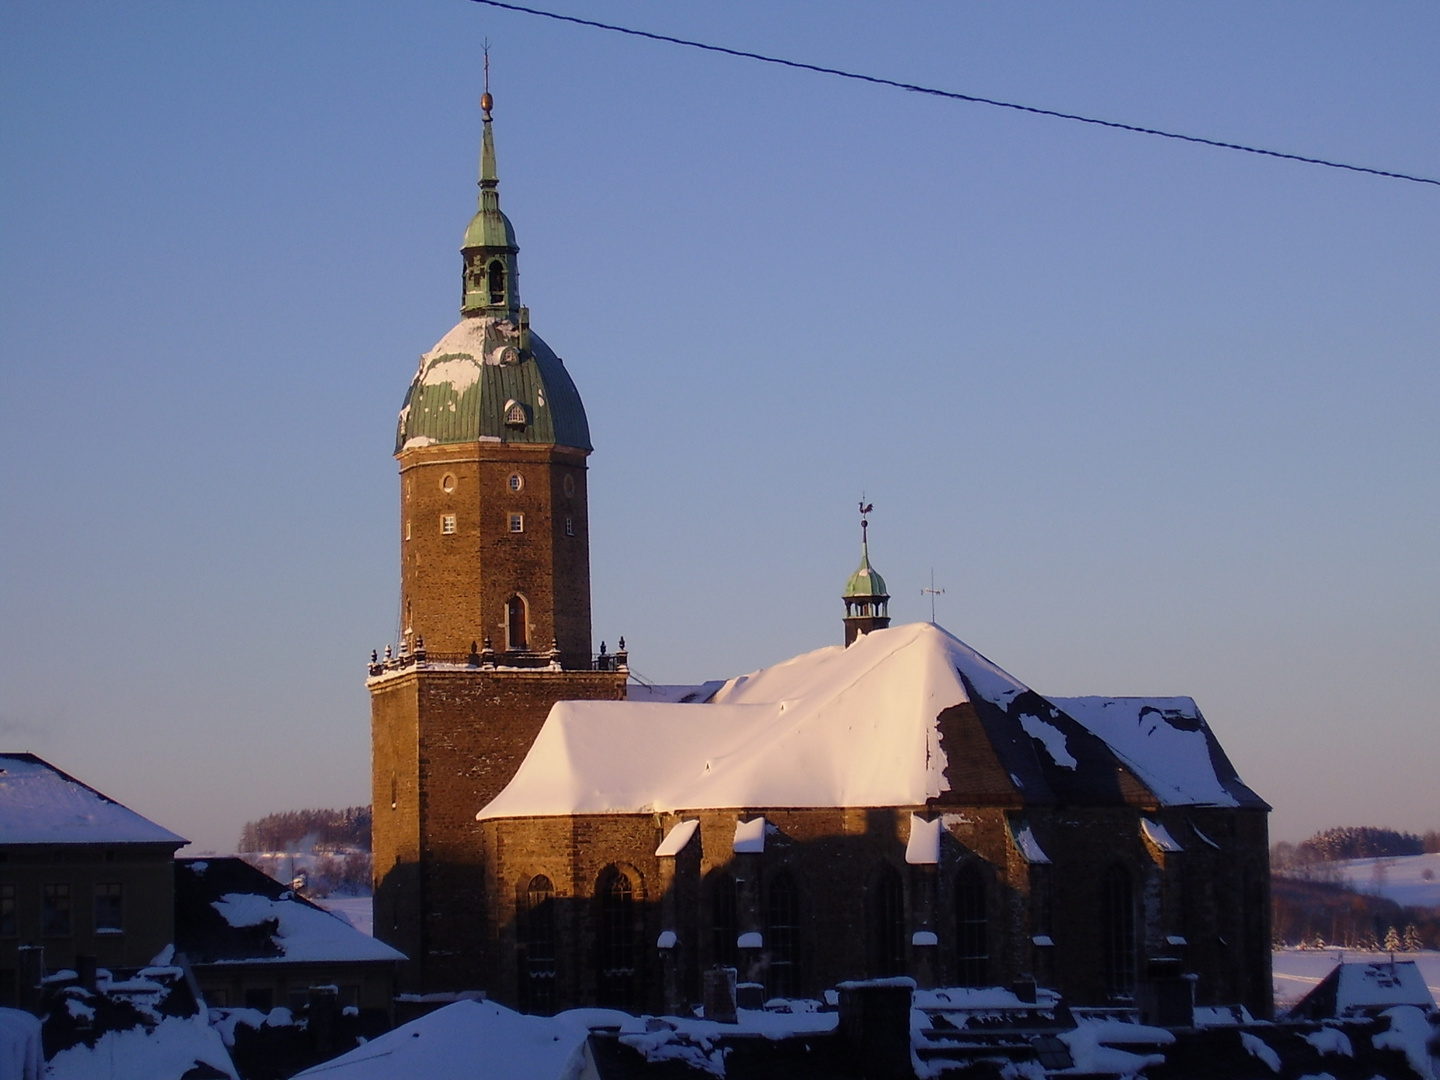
{"x":867,"y":604}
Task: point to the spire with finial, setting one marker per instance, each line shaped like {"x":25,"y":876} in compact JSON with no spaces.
{"x":867,"y":604}
{"x":490,"y":286}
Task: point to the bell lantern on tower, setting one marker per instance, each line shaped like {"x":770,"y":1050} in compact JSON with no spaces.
{"x":867,"y":604}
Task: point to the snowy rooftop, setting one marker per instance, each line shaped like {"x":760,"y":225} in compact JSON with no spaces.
{"x":855,"y":726}
{"x":39,"y":804}
{"x":1167,"y":743}
{"x":227,"y":912}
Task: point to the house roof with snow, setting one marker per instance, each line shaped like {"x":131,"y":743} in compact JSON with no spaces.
{"x":1365,"y":989}
{"x":228,"y":912}
{"x":866,"y":725}
{"x":39,"y":804}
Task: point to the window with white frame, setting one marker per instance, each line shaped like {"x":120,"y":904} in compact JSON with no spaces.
{"x":517,"y":523}
{"x":447,"y":524}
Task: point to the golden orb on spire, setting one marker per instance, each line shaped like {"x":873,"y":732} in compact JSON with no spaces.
{"x":486,"y":104}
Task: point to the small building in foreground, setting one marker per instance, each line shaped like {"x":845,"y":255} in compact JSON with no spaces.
{"x":1365,"y":989}
{"x":253,"y":942}
{"x":81,"y":876}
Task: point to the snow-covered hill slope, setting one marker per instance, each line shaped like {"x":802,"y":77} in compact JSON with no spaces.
{"x":1402,"y":879}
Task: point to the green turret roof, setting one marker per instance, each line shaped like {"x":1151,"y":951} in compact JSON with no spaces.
{"x":866,"y":580}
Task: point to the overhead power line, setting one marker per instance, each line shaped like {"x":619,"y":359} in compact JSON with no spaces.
{"x":952,"y":95}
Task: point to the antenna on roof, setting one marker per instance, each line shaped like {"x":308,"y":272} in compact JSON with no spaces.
{"x":932,"y":592}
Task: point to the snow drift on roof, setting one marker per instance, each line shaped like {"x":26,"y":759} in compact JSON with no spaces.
{"x":1167,"y":744}
{"x":39,"y":804}
{"x":839,"y":726}
{"x":302,"y":931}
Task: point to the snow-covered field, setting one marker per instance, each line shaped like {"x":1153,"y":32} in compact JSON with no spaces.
{"x":1298,"y":970}
{"x":1402,"y":879}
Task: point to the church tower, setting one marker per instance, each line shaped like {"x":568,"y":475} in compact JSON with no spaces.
{"x":867,"y":604}
{"x":492,"y":445}
{"x":492,"y":442}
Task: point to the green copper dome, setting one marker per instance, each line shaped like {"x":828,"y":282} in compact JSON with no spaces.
{"x":491,"y":380}
{"x":866,"y":581}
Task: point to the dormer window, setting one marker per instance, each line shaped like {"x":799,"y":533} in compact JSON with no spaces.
{"x":497,"y":282}
{"x":516,"y":415}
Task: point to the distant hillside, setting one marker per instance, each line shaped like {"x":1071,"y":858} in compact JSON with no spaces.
{"x":1358,"y":887}
{"x":309,"y":830}
{"x":319,"y":852}
{"x":1325,"y":913}
{"x":1352,"y":842}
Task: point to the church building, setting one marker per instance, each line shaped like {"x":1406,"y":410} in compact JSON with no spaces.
{"x":893,"y":805}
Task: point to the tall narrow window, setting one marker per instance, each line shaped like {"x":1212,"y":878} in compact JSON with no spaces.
{"x":1118,"y":931}
{"x":569,"y":525}
{"x":497,"y":282}
{"x":515,"y":624}
{"x":617,"y":941}
{"x":972,"y":929}
{"x":887,"y":923}
{"x":517,"y":523}
{"x":447,"y":524}
{"x":724,"y":928}
{"x":109,"y":908}
{"x":782,"y":935}
{"x":537,"y":959}
{"x":55,"y":910}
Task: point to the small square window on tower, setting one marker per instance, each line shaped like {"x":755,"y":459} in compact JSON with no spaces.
{"x":517,"y":523}
{"x":447,"y":524}
{"x":569,"y":526}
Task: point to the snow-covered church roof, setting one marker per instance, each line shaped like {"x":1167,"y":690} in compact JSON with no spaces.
{"x":39,"y":804}
{"x":852,"y":727}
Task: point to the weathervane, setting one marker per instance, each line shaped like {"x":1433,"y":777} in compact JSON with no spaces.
{"x":865,"y":509}
{"x":486,"y":101}
{"x":932,"y":592}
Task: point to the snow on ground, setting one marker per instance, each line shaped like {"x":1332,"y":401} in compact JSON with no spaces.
{"x":1400,"y":879}
{"x":358,"y":911}
{"x":1298,"y":971}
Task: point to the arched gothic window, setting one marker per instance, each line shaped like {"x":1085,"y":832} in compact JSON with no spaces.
{"x":537,"y":947}
{"x":972,"y":929}
{"x":516,"y":635}
{"x":887,"y":923}
{"x":724,"y":926}
{"x":782,"y":935}
{"x":617,"y":945}
{"x":497,"y":282}
{"x":1118,"y":930}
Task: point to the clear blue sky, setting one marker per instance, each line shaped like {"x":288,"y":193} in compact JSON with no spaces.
{"x":1163,"y":419}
